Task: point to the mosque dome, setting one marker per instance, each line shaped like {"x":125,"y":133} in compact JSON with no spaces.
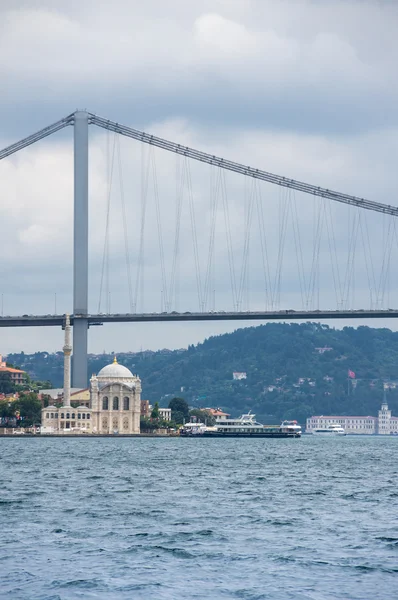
{"x":114,"y":370}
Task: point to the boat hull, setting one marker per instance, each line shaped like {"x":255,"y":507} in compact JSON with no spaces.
{"x":328,"y":433}
{"x":219,"y":434}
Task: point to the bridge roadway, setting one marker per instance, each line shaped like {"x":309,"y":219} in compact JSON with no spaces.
{"x":281,"y":315}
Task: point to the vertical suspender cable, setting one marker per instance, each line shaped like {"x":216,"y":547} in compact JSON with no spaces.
{"x":105,"y":256}
{"x":124,"y":219}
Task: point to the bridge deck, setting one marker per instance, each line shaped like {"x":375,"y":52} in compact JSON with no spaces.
{"x":282,"y":315}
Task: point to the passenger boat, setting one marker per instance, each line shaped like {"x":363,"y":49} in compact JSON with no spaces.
{"x":331,"y":430}
{"x":193,"y":429}
{"x":244,"y":426}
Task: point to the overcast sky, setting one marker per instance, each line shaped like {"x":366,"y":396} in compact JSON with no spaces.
{"x":303,"y":88}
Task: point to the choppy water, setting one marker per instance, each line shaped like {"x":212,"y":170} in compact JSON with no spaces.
{"x":188,"y":518}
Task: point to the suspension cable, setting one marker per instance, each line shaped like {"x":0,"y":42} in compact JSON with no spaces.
{"x":242,"y":169}
{"x":35,"y":137}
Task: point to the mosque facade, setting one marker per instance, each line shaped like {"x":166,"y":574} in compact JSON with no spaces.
{"x":114,"y":407}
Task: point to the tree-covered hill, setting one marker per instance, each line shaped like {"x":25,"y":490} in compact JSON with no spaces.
{"x":292,"y":370}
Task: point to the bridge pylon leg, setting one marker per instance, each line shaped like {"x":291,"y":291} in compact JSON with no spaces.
{"x":80,"y":250}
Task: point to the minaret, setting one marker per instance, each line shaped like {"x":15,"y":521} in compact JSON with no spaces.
{"x":67,"y":354}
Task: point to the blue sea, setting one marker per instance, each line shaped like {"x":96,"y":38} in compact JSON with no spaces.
{"x":172,"y":518}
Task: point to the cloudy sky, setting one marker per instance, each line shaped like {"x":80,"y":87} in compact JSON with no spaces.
{"x":303,"y":88}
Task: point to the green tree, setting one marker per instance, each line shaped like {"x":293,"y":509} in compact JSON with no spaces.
{"x":6,"y":384}
{"x":155,"y":411}
{"x":29,"y":407}
{"x":179,"y":410}
{"x":177,"y":417}
{"x":203,"y":416}
{"x":6,"y":409}
{"x":147,"y":424}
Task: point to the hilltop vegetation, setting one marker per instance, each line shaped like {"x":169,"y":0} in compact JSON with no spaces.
{"x":287,"y":375}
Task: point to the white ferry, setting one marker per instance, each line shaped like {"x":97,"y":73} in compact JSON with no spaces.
{"x":193,"y":429}
{"x":291,"y":426}
{"x":329,"y":431}
{"x":244,"y":426}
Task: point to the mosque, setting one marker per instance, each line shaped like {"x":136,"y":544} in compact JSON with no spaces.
{"x":115,"y":401}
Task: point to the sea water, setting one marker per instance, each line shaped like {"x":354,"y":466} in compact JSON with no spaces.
{"x":169,"y":518}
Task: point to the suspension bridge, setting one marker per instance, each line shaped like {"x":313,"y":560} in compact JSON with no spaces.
{"x":290,"y":250}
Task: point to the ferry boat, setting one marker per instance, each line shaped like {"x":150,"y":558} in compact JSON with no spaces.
{"x":244,"y":426}
{"x":329,"y":431}
{"x":193,"y":429}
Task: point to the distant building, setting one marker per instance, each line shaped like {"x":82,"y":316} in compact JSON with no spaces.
{"x":145,"y":408}
{"x":57,"y":394}
{"x":17,"y":376}
{"x":217,"y":413}
{"x":238,"y":376}
{"x":80,"y":398}
{"x":165,"y":414}
{"x":383,"y":424}
{"x":323,"y":350}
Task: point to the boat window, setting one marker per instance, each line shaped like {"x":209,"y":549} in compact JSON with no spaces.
{"x":115,"y":403}
{"x":105,"y":403}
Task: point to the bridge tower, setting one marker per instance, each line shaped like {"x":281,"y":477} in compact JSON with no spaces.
{"x":80,"y":250}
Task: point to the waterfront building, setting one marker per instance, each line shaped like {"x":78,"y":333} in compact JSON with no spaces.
{"x":354,"y":424}
{"x":114,"y":401}
{"x":383,"y":424}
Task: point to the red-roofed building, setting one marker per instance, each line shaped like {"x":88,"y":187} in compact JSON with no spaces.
{"x":17,"y":376}
{"x":218,"y":414}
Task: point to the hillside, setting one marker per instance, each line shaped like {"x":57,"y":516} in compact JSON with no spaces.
{"x":287,"y":375}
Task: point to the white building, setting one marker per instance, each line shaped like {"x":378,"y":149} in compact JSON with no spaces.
{"x":114,"y":407}
{"x":350,"y":424}
{"x":165,"y":414}
{"x":383,"y":424}
{"x":238,"y":376}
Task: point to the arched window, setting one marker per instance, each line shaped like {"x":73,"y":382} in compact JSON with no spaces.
{"x":73,"y":416}
{"x":67,"y":415}
{"x":126,"y":403}
{"x":87,"y":415}
{"x":105,"y":403}
{"x":115,"y":403}
{"x":52,"y":415}
{"x":47,"y":415}
{"x":56,"y":415}
{"x":83,"y":415}
{"x":79,"y":416}
{"x":62,"y":416}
